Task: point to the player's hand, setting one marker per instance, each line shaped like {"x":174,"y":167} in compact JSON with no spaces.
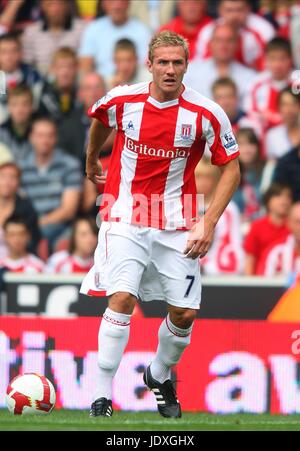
{"x":94,"y":172}
{"x":200,"y":239}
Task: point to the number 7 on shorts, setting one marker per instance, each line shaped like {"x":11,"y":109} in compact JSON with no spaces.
{"x":192,"y":280}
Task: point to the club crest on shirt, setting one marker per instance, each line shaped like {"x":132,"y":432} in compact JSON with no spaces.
{"x":186,"y":131}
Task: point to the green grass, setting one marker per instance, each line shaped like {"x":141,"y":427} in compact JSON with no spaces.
{"x":72,"y":420}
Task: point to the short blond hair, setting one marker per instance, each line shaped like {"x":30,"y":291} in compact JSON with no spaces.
{"x":168,"y":39}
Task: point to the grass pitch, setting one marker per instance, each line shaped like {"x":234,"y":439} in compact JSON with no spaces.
{"x":74,"y":420}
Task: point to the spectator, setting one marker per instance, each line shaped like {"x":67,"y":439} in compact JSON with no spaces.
{"x":154,"y":13}
{"x":57,"y":29}
{"x":100,"y":37}
{"x":283,"y":257}
{"x":279,"y":14}
{"x":58,"y":96}
{"x":52,"y":180}
{"x":14,"y":133}
{"x":254,"y":32}
{"x":127,"y":69}
{"x":12,"y":202}
{"x":74,"y":133}
{"x":263,"y":95}
{"x":225,"y":93}
{"x":190,"y":21}
{"x":287,"y":171}
{"x":283,"y":137}
{"x":202,"y":74}
{"x":16,"y":72}
{"x":17,"y":236}
{"x":226,"y":254}
{"x":80,"y":256}
{"x":91,"y":89}
{"x":16,"y":14}
{"x":270,"y":228}
{"x":248,"y":196}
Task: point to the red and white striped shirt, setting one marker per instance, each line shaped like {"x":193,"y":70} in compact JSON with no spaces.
{"x":150,"y":178}
{"x":262,"y":99}
{"x":280,"y":259}
{"x":252,"y":40}
{"x":28,"y":264}
{"x":226,"y":255}
{"x":63,"y":262}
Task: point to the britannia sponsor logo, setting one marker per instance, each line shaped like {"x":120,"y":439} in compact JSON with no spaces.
{"x":143,"y":149}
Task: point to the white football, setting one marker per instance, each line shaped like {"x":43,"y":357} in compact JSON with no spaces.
{"x":30,"y":394}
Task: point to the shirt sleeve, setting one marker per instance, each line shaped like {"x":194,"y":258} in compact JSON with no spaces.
{"x":217,"y":130}
{"x":105,"y":110}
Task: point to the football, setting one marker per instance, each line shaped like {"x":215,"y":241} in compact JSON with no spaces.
{"x":30,"y":394}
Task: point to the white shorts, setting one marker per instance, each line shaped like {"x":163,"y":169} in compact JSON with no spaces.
{"x":146,"y":262}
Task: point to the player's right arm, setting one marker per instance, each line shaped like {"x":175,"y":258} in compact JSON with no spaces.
{"x":97,"y":136}
{"x":103,"y":115}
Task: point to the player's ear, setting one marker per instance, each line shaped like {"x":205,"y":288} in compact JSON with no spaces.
{"x":149,"y":65}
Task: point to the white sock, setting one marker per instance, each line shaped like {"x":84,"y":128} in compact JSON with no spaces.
{"x":112,"y":340}
{"x":172,"y":341}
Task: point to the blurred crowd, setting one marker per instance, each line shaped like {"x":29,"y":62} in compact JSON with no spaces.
{"x":58,"y":57}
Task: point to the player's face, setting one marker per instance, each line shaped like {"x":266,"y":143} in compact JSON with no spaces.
{"x":281,"y":204}
{"x":85,"y":239}
{"x":17,"y":239}
{"x":168,"y":68}
{"x":9,"y":181}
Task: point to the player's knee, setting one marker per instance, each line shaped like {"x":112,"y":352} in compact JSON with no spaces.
{"x":122,"y":303}
{"x":183,"y":318}
{"x":106,"y":364}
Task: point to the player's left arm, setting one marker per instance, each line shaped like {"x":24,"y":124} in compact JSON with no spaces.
{"x":203,"y":232}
